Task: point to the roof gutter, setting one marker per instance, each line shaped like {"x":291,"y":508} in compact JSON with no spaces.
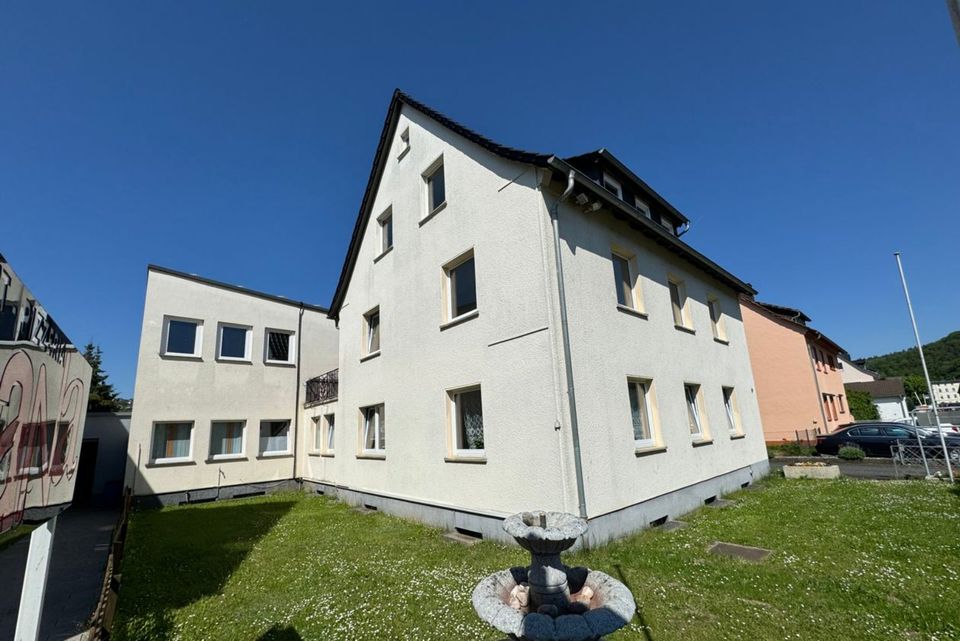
{"x":565,"y":331}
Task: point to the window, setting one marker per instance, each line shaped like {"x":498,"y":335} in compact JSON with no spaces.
{"x":329,"y":426}
{"x":182,"y":337}
{"x":612,"y":186}
{"x":274,"y":438}
{"x":643,"y":207}
{"x":279,"y":347}
{"x":840,"y":402}
{"x":826,"y":405}
{"x":816,"y":359}
{"x":374,"y":429}
{"x":371,"y":325}
{"x":678,"y":300}
{"x":233,"y":342}
{"x":639,"y":394}
{"x":716,"y":319}
{"x":172,"y":442}
{"x":404,"y":143}
{"x":694,"y":416}
{"x":226,"y":439}
{"x":833,"y":407}
{"x":436,"y":187}
{"x":732,"y":411}
{"x":386,"y":230}
{"x":466,"y":420}
{"x":623,"y":281}
{"x":461,"y":284}
{"x":833,"y":363}
{"x":896,"y":432}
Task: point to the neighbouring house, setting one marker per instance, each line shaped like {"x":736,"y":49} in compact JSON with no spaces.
{"x":219,"y":388}
{"x":797,"y":372}
{"x":516,"y":331}
{"x":888,"y":395}
{"x":103,"y":459}
{"x":946,"y":392}
{"x":855,"y":372}
{"x":44,"y":388}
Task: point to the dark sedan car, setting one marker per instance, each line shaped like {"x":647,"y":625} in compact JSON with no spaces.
{"x":874,"y":439}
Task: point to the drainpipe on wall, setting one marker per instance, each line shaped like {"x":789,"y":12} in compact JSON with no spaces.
{"x":296,"y":412}
{"x":565,"y":331}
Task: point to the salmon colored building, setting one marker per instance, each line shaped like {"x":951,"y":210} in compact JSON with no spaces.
{"x":797,"y":372}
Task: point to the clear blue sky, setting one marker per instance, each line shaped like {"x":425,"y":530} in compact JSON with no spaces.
{"x":806,"y":140}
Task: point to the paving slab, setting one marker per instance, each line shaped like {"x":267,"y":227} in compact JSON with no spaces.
{"x":671,"y":525}
{"x":736,"y":551}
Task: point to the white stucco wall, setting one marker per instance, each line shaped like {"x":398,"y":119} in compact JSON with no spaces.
{"x":206,"y":389}
{"x":852,"y":374}
{"x":610,"y":345}
{"x":891,"y":408}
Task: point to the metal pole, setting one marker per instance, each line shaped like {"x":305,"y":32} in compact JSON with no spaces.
{"x":923,"y":362}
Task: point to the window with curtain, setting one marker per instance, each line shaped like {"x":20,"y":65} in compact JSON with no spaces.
{"x":374,"y":429}
{"x":274,"y":437}
{"x":372,"y":321}
{"x":171,"y":441}
{"x":677,"y":302}
{"x":468,"y":421}
{"x":693,"y":409}
{"x":226,"y":438}
{"x":640,"y":412}
{"x":730,"y":406}
{"x":330,"y":420}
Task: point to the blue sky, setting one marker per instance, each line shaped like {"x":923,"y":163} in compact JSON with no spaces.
{"x":806,"y":141}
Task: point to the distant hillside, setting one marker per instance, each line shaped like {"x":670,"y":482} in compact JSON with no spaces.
{"x":943,"y":360}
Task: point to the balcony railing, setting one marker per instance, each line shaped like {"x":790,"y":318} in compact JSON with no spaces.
{"x":322,"y":389}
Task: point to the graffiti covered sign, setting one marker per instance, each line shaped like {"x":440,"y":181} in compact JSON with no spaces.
{"x":44,"y":384}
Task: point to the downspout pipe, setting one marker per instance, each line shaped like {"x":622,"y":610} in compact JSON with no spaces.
{"x":296,"y":409}
{"x":565,"y":331}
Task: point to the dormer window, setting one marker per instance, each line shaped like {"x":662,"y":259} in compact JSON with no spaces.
{"x":612,"y":186}
{"x":642,"y":207}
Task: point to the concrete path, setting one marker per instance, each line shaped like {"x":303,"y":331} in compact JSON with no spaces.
{"x":80,"y":549}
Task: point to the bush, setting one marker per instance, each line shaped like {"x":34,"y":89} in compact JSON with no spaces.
{"x":861,"y":406}
{"x":851,"y":453}
{"x":790,"y":449}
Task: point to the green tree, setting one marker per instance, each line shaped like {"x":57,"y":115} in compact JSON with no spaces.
{"x":103,"y":398}
{"x":915,"y":387}
{"x":861,"y":406}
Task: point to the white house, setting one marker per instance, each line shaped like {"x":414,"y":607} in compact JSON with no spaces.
{"x":523,"y":331}
{"x":854,"y":373}
{"x":888,"y":395}
{"x":946,"y":392}
{"x":218,"y":388}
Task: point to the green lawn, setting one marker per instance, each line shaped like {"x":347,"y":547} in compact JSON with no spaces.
{"x":853,"y":560}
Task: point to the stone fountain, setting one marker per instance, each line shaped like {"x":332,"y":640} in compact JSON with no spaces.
{"x":550,"y":601}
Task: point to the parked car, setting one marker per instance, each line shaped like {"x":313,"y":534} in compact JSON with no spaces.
{"x":948,"y":429}
{"x":874,"y":439}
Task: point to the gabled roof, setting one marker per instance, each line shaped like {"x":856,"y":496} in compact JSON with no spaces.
{"x":793,"y":318}
{"x":235,"y":288}
{"x":559,"y":166}
{"x":883,"y":388}
{"x":790,"y":313}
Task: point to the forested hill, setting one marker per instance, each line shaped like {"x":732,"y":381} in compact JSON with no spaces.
{"x":943,"y":359}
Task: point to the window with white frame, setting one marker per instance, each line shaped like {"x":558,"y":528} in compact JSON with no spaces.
{"x":623,"y":281}
{"x":465,"y":407}
{"x":643,"y":207}
{"x":732,"y":410}
{"x":678,"y":302}
{"x":317,"y":433}
{"x":716,"y":318}
{"x":371,"y":331}
{"x":385,"y":222}
{"x":436,"y":187}
{"x":227,"y":439}
{"x":461,"y":286}
{"x":691,"y":394}
{"x":404,"y":143}
{"x":172,"y":442}
{"x":374,"y":429}
{"x":329,"y":429}
{"x":613,"y":186}
{"x":274,"y":438}
{"x":279,"y":347}
{"x":638,"y":391}
{"x":182,"y":336}
{"x":234,"y":342}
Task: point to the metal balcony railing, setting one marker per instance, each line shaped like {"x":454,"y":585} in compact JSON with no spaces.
{"x":322,"y":389}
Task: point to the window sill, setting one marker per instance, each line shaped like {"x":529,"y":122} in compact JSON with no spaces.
{"x":374,"y":456}
{"x":279,"y":363}
{"x":239,"y":361}
{"x":370,"y":356}
{"x":403,"y":153}
{"x":327,"y":454}
{"x":466,"y":458}
{"x":270,"y":455}
{"x":652,"y":449}
{"x":227,"y":459}
{"x":722,"y":341}
{"x":171,"y":463}
{"x":462,"y":318}
{"x":181,"y":357}
{"x":383,"y":253}
{"x":737,"y":437}
{"x":701,"y":442}
{"x":684,"y":328}
{"x":631,"y":311}
{"x":436,"y":210}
